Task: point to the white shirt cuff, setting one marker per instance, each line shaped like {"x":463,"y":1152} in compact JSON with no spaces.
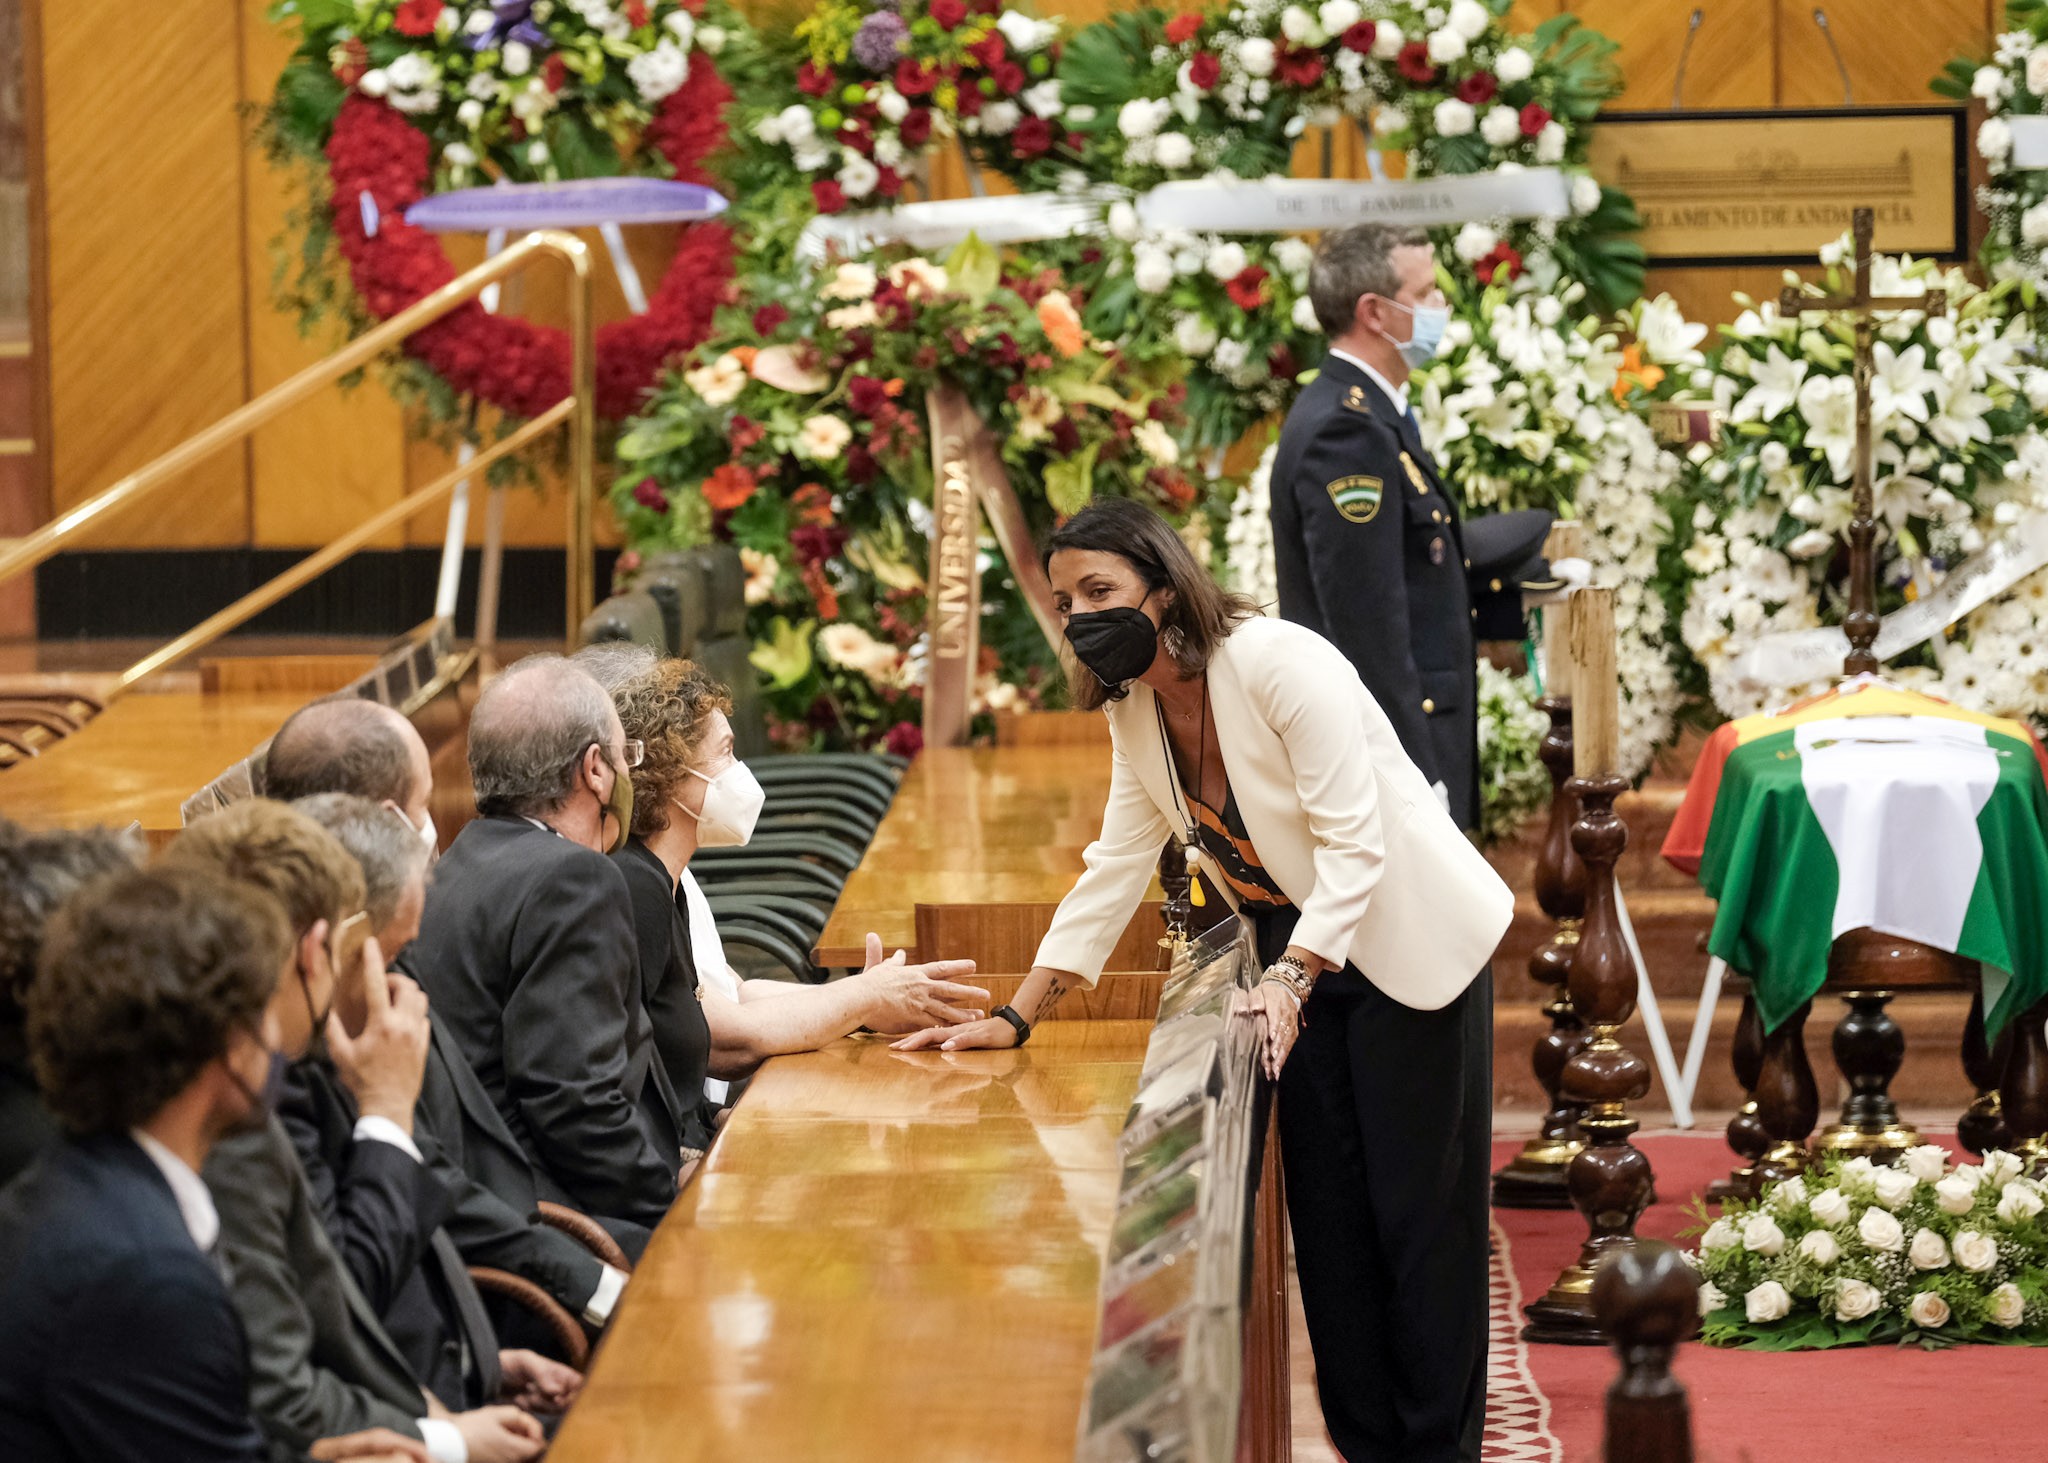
{"x":444,"y":1440}
{"x":598,"y":1310}
{"x":383,"y":1130}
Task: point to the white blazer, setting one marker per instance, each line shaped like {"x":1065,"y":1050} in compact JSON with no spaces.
{"x":1342,"y":820}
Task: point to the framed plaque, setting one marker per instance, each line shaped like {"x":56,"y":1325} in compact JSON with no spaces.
{"x":1772,"y":187}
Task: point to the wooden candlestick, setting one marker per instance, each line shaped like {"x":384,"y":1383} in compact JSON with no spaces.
{"x":1648,"y":1300}
{"x":1596,"y":694}
{"x":1565,"y":541}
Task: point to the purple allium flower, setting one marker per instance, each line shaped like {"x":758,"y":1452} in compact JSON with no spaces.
{"x":880,"y":40}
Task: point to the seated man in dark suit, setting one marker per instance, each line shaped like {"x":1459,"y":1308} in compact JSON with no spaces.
{"x":322,"y":1360}
{"x":38,"y":872}
{"x":151,"y":1029}
{"x":348,"y":746}
{"x":527,"y":946}
{"x":357,"y":1091}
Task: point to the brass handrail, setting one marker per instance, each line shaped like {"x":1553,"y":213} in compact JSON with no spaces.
{"x":579,"y":409}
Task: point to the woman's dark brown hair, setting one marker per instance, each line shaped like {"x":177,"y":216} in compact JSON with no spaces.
{"x":668,"y":710}
{"x":1200,"y":615}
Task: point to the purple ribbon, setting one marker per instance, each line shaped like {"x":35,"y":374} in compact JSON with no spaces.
{"x":513,"y":22}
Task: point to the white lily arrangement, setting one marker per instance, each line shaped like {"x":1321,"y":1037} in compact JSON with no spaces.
{"x":1853,"y":1253}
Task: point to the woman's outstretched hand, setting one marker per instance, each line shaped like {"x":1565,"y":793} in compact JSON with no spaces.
{"x":993,"y":1033}
{"x":1278,"y":1013}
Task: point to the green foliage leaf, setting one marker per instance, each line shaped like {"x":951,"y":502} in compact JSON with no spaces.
{"x":1070,"y":483}
{"x":973,"y":268}
{"x":580,"y":149}
{"x":785,"y":655}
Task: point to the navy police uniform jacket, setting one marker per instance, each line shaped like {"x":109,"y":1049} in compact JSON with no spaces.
{"x":1370,"y":555}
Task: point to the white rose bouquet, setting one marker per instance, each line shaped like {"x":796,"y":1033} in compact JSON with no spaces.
{"x":1927,"y":1252}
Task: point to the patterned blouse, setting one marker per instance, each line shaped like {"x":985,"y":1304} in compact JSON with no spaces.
{"x":1228,"y":852}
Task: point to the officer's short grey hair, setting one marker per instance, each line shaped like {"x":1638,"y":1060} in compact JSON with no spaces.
{"x":528,"y":733}
{"x":382,"y":841}
{"x":615,"y":664}
{"x":1353,"y":262}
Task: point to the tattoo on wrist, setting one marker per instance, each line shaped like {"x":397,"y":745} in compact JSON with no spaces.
{"x":1046,"y":1002}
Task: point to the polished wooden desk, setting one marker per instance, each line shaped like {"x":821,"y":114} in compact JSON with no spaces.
{"x":138,"y":760}
{"x":971,"y":826}
{"x":885,"y":1257}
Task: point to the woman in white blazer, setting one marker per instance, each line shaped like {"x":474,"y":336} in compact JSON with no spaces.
{"x":1252,"y":744}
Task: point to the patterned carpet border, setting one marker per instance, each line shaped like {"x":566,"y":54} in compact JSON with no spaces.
{"x":1517,"y":1412}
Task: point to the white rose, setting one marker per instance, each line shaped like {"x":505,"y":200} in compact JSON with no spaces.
{"x":1338,"y":16}
{"x":1550,"y":143}
{"x":1226,"y":261}
{"x":1928,"y":1310}
{"x":1446,"y":46}
{"x":1893,"y":1187}
{"x":1140,"y":118}
{"x":1194,"y":335}
{"x":1174,"y":150}
{"x":1999,"y":1168}
{"x":1123,"y":221}
{"x":1927,"y":1163}
{"x":1811,"y":544}
{"x":2018,"y":1203}
{"x":1469,"y":19}
{"x":1256,"y":56}
{"x":1152,"y":271}
{"x":1994,"y":140}
{"x":1976,"y":1252}
{"x":1514,"y":64}
{"x":1387,"y":41}
{"x":858,"y":176}
{"x":1712,"y":1298}
{"x":1955,"y":1195}
{"x":1928,"y":1251}
{"x":1156,"y":443}
{"x":373,"y":83}
{"x":1585,"y":194}
{"x":1881,"y":1231}
{"x":517,"y":59}
{"x":1761,"y":1235}
{"x":1304,"y":316}
{"x":1474,"y":242}
{"x":1855,"y":1299}
{"x":1820,"y":1247}
{"x":1721,"y":1235}
{"x":1768,"y":1302}
{"x":1501,"y":126}
{"x":710,"y":38}
{"x":1454,"y":118}
{"x":2037,"y":71}
{"x":1789,"y":1195}
{"x":822,"y":438}
{"x":2007,"y":1307}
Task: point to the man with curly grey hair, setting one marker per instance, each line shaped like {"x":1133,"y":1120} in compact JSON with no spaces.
{"x":528,"y":953}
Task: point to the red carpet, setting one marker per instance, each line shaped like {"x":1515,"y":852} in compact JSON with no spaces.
{"x":1859,"y":1405}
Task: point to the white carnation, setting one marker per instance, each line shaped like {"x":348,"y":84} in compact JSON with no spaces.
{"x":1000,"y":119}
{"x":1173,"y":150}
{"x":516,"y":59}
{"x":1585,"y":194}
{"x":471,"y":113}
{"x":858,"y":176}
{"x":1338,"y":16}
{"x":1994,"y":140}
{"x":1988,"y":85}
{"x":683,"y":26}
{"x":1043,"y":100}
{"x":459,"y":154}
{"x":1305,"y":316}
{"x":1140,"y":117}
{"x":1469,"y":19}
{"x":1501,"y":126}
{"x":1446,"y":46}
{"x":893,"y":105}
{"x":1550,"y":143}
{"x":1294,"y":256}
{"x":659,"y":73}
{"x":1156,"y":442}
{"x":1227,"y":260}
{"x":1194,"y":335}
{"x":1123,"y":221}
{"x":1256,"y":56}
{"x":1513,"y":65}
{"x":1474,"y":242}
{"x":1300,"y":27}
{"x":1387,"y":40}
{"x":1152,"y":271}
{"x":1025,"y":34}
{"x":1454,"y":118}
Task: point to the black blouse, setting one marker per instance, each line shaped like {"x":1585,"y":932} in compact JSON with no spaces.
{"x":668,"y":985}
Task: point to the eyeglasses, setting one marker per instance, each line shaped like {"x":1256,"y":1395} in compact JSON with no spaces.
{"x":632,"y":753}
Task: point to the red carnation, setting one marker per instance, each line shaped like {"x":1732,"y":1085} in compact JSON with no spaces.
{"x":970,"y":102}
{"x":828,"y":195}
{"x":1479,"y":88}
{"x":861,"y":467}
{"x":913,"y":77}
{"x":417,"y":17}
{"x":1535,"y":117}
{"x":948,"y":13}
{"x":355,"y":60}
{"x":1182,"y":28}
{"x":1360,"y":37}
{"x":1009,"y":77}
{"x":817,"y":543}
{"x":888,"y":182}
{"x":905,"y":739}
{"x":1504,"y":257}
{"x":636,"y":13}
{"x":768,"y":319}
{"x":745,"y":432}
{"x":1247,"y":288}
{"x":1032,"y":138}
{"x":555,"y":74}
{"x":1204,"y":70}
{"x":648,"y":494}
{"x":814,"y":80}
{"x":991,"y":50}
{"x":1413,"y":63}
{"x":1298,"y":67}
{"x":1066,"y":437}
{"x":867,"y":395}
{"x":915,"y":129}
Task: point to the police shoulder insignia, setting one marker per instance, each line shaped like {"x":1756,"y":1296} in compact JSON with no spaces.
{"x":1357,"y":498}
{"x":1415,"y":473}
{"x":1354,"y":398}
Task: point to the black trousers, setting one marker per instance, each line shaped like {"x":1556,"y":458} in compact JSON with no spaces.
{"x":1385,"y":1119}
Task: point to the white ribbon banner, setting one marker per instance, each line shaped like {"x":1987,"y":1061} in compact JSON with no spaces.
{"x":2029,"y":141}
{"x":1012,"y":219}
{"x":1287,"y":205}
{"x":1798,"y":657}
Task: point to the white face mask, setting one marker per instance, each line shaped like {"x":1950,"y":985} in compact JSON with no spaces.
{"x":424,"y":832}
{"x":732,"y":805}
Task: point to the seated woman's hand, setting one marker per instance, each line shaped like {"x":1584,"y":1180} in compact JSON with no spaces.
{"x":906,"y":997}
{"x":993,"y":1032}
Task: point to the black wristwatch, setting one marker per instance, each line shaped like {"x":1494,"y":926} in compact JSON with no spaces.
{"x":1009,"y":1014}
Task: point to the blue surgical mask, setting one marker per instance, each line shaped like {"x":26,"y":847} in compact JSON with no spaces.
{"x":1420,"y":348}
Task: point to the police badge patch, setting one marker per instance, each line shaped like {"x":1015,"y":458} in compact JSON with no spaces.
{"x":1357,"y":498}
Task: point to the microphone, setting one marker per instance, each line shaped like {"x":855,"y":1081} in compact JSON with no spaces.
{"x":1827,"y":33}
{"x":1692,"y":28}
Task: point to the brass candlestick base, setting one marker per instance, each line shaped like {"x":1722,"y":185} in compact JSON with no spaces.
{"x":1882,"y":1143}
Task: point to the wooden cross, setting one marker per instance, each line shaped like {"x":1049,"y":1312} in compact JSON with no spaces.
{"x":1861,"y":623}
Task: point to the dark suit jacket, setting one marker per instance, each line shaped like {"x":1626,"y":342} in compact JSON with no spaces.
{"x":26,"y":1127}
{"x":117,"y":1338}
{"x":1370,"y":556}
{"x":668,"y":985}
{"x":526,"y":949}
{"x":321,"y":1364}
{"x":384,"y":1210}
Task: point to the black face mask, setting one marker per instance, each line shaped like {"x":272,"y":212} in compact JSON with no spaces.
{"x":1117,"y":645}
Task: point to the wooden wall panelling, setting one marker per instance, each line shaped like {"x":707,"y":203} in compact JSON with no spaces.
{"x":1709,"y":294}
{"x":1731,"y":64}
{"x":1891,"y":51}
{"x":143,"y":161}
{"x":330,"y":462}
